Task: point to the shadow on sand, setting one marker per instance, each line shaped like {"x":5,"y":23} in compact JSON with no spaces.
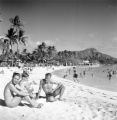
{"x":2,"y":103}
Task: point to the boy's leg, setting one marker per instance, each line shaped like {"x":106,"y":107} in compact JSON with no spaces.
{"x":78,"y":80}
{"x":75,"y":80}
{"x":14,"y":102}
{"x":59,"y":91}
{"x":32,"y":102}
{"x":50,"y":98}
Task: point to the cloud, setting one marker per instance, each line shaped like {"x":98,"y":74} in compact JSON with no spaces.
{"x":114,"y":39}
{"x":30,"y":44}
{"x":38,"y":43}
{"x":49,"y":42}
{"x":3,"y":37}
{"x":52,"y":42}
{"x":92,"y":35}
{"x":57,"y":39}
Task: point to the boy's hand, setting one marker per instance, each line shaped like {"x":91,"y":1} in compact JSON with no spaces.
{"x":33,"y":95}
{"x":37,"y":97}
{"x":26,"y":94}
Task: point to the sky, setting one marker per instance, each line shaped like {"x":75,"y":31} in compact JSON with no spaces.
{"x":68,"y":24}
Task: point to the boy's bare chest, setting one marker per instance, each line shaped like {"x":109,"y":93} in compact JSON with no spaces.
{"x":47,"y":85}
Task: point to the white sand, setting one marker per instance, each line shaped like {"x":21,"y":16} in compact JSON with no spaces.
{"x":82,"y":102}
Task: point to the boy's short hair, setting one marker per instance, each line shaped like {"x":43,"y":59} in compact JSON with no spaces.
{"x":15,"y":74}
{"x":48,"y":74}
{"x":25,"y":74}
{"x":74,"y":71}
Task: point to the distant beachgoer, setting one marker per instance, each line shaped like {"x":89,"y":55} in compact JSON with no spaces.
{"x":113,"y":72}
{"x":48,"y":86}
{"x":84,"y":73}
{"x":13,"y":96}
{"x":74,"y":69}
{"x":75,"y":77}
{"x":65,"y":76}
{"x":92,"y":74}
{"x":2,"y":71}
{"x":109,"y":75}
{"x":81,"y":75}
{"x":69,"y":71}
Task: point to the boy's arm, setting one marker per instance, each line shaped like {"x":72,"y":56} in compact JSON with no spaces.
{"x":23,"y":85}
{"x":18,"y":87}
{"x":56,"y":83}
{"x":40,"y":88}
{"x":13,"y":89}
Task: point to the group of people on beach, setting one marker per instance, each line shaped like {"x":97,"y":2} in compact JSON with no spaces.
{"x":18,"y":89}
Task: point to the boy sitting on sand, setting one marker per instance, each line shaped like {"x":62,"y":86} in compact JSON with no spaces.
{"x":50,"y":91}
{"x":13,"y":96}
{"x":24,"y":85}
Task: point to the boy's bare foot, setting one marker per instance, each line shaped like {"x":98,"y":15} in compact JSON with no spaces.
{"x":52,"y":99}
{"x":61,"y":99}
{"x":39,"y":105}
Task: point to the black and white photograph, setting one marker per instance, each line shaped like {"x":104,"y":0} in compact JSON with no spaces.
{"x":58,"y":59}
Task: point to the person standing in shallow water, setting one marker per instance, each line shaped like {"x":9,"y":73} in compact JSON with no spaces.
{"x":48,"y":86}
{"x":75,"y":77}
{"x":13,"y":96}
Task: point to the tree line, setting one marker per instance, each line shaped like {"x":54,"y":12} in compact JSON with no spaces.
{"x":43,"y":53}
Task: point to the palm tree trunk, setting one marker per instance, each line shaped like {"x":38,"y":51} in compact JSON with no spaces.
{"x":17,"y":52}
{"x":17,"y":49}
{"x":12,"y":56}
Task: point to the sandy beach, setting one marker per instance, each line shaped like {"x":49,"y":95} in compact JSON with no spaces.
{"x":81,"y":102}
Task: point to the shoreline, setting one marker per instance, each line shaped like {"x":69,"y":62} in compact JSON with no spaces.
{"x":92,"y":89}
{"x":88,"y":86}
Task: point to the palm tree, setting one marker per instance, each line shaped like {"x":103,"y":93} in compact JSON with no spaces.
{"x":7,"y":53}
{"x":16,"y":22}
{"x":17,"y":25}
{"x":41,"y":51}
{"x":11,"y":37}
{"x":24,"y":52}
{"x":11,"y":40}
{"x":51,"y":52}
{"x":4,"y":46}
{"x":21,"y":39}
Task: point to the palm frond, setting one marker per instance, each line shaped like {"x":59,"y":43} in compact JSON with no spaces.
{"x":21,"y":33}
{"x":23,"y":40}
{"x":16,"y":22}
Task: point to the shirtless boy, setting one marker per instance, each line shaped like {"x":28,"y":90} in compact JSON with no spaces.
{"x":13,"y":96}
{"x":25,"y":85}
{"x":50,"y":92}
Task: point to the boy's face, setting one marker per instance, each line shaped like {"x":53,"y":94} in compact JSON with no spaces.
{"x":48,"y":77}
{"x":16,"y":79}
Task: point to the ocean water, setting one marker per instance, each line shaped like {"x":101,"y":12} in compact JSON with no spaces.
{"x":95,"y":77}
